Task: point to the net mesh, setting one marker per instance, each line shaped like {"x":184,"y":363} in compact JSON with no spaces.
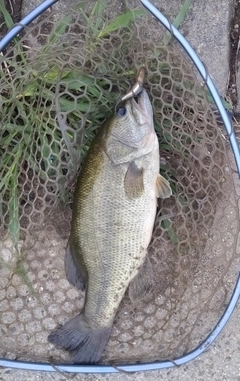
{"x":58,"y":83}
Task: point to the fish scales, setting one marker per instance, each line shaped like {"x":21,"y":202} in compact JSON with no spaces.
{"x":114,"y":210}
{"x":117,"y":230}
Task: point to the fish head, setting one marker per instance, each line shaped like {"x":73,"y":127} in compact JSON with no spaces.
{"x":131,"y":130}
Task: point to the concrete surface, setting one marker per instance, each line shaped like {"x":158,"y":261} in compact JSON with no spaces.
{"x":219,"y":363}
{"x":206,"y":27}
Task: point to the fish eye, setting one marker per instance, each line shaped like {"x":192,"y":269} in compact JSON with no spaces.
{"x":121,"y":111}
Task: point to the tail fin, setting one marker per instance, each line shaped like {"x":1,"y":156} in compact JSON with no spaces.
{"x":85,"y":344}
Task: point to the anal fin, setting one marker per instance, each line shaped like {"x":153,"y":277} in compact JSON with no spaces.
{"x":143,"y":282}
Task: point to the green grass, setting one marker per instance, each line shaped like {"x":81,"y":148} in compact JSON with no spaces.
{"x":178,"y":20}
{"x":28,"y":109}
{"x":29,"y":105}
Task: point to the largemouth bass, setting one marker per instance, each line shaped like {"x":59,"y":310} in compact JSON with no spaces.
{"x":114,"y":210}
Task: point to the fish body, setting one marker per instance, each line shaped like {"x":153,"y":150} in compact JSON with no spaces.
{"x":113,"y":216}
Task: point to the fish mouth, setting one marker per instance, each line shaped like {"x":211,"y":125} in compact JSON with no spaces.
{"x":136,"y":98}
{"x":138,"y":102}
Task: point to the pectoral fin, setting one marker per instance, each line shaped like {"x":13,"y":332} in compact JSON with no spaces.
{"x":143,"y":282}
{"x":163,"y":188}
{"x":133,"y":181}
{"x":75,"y":272}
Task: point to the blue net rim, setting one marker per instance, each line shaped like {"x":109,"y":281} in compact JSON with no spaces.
{"x":24,"y":365}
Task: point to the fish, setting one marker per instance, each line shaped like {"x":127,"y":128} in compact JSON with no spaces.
{"x":114,"y":211}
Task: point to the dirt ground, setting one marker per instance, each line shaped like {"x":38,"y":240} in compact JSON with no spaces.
{"x":14,"y":8}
